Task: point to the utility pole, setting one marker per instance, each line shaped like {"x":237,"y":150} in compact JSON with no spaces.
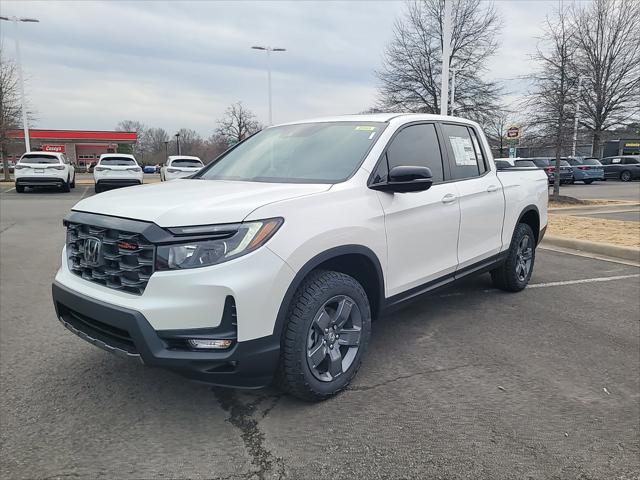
{"x":446,"y":53}
{"x":166,"y":148}
{"x":23,"y":106}
{"x":575,"y":121}
{"x":269,"y":49}
{"x":453,"y":90}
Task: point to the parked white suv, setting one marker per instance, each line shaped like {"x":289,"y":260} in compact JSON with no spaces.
{"x":116,"y":170}
{"x":180,"y":166}
{"x":44,"y":169}
{"x":272,"y":261}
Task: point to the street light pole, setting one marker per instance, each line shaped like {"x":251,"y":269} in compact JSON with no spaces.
{"x":446,"y":52}
{"x":177,"y":135}
{"x":453,"y":91}
{"x":269,"y":49}
{"x":575,"y":121}
{"x":23,"y":106}
{"x":166,"y":148}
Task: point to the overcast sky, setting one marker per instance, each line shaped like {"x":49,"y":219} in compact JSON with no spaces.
{"x":177,"y":64}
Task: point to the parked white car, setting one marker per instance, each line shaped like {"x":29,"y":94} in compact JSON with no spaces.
{"x":44,"y":169}
{"x":272,"y":261}
{"x":116,"y":170}
{"x":180,"y":166}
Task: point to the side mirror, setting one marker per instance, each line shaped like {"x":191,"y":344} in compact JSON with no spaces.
{"x":404,"y":179}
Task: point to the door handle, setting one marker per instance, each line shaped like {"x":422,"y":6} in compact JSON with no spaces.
{"x":449,"y":198}
{"x":492,"y":188}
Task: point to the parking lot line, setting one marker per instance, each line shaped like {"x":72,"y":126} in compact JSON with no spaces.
{"x":7,"y":191}
{"x":584,"y":280}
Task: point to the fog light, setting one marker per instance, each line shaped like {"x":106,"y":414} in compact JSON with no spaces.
{"x":209,"y":344}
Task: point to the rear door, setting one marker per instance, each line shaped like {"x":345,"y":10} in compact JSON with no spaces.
{"x":421,"y":227}
{"x":480,"y":195}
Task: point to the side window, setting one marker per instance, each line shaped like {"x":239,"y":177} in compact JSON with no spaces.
{"x":464,"y":161}
{"x":415,"y":145}
{"x":630,"y":161}
{"x":482,"y":161}
{"x":605,"y":161}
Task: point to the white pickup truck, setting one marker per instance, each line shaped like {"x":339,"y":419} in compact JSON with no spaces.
{"x":272,"y":261}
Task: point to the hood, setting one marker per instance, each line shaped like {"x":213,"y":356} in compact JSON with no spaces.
{"x":193,"y":202}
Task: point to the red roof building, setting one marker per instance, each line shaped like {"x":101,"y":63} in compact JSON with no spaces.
{"x":80,"y":146}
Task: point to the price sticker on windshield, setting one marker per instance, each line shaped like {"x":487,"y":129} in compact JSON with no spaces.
{"x":365,"y":128}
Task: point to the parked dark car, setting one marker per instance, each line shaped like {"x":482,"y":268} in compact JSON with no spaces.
{"x":149,"y":169}
{"x":586,"y":169}
{"x":624,"y":167}
{"x":548,"y":165}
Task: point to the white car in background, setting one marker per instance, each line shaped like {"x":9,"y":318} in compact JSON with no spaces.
{"x":180,"y":166}
{"x":117,"y":170}
{"x":44,"y":169}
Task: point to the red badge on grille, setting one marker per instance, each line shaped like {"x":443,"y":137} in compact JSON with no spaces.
{"x":127,"y":246}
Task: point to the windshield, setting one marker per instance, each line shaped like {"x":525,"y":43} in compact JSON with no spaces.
{"x":564,"y":163}
{"x":303,"y":153}
{"x":39,"y":159}
{"x":186,"y":163}
{"x":118,"y":161}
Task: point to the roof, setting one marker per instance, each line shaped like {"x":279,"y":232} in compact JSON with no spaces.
{"x":118,"y":155}
{"x":381,"y":117}
{"x":91,"y":135}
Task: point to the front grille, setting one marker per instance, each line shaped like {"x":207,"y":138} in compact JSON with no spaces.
{"x":124,"y":260}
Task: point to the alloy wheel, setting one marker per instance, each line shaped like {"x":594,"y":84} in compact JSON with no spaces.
{"x":524,"y":257}
{"x":333,"y":339}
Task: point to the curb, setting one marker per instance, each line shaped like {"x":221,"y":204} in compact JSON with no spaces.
{"x":617,"y":251}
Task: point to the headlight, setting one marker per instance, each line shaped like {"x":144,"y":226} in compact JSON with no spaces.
{"x":227,"y":242}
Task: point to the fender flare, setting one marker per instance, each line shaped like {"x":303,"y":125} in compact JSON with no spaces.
{"x":313,"y":264}
{"x":525,"y":210}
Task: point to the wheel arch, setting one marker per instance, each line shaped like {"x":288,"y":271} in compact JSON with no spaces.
{"x":530,"y":215}
{"x":358,"y":261}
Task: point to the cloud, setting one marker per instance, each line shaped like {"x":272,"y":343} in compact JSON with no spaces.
{"x":179,"y":64}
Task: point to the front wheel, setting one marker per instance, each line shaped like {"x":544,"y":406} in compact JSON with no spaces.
{"x":514,"y":274}
{"x":588,"y":182}
{"x":326,"y":335}
{"x":625,"y":176}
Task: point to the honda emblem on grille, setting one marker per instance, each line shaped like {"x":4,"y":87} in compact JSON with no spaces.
{"x":92,"y":248}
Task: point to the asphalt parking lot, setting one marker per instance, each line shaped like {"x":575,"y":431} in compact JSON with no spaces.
{"x":466,"y":383}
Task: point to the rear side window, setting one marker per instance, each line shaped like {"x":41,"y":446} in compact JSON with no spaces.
{"x":35,"y":158}
{"x":186,"y":163}
{"x":630,"y":161}
{"x":415,"y":145}
{"x":464,"y":152}
{"x":118,"y":161}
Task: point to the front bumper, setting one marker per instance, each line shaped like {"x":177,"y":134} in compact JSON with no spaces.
{"x":127,"y":333}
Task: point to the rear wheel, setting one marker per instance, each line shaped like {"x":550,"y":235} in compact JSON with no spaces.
{"x":588,"y":182}
{"x":66,"y":186}
{"x":625,"y":176}
{"x":19,"y":188}
{"x":97,"y":188}
{"x":514,"y":274}
{"x":73,"y":182}
{"x":326,"y":335}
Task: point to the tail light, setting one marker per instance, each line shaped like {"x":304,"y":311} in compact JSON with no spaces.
{"x":19,"y":167}
{"x":549,"y":169}
{"x":134,"y":169}
{"x":172,"y":170}
{"x":584,"y":168}
{"x":58,"y":167}
{"x":100,"y":169}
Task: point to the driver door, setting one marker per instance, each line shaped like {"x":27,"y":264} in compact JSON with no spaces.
{"x":421,"y":227}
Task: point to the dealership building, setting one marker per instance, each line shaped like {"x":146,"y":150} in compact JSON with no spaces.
{"x":80,"y":146}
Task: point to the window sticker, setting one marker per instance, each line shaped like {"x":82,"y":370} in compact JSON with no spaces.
{"x":365,"y":128}
{"x":463,"y":151}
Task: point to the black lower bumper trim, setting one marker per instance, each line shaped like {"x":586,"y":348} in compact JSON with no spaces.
{"x":40,"y":182}
{"x":126,"y":332}
{"x":118,"y":183}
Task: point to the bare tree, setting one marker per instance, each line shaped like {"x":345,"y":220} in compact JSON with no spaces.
{"x":495,"y":127}
{"x":10,"y":109}
{"x":410,"y":76}
{"x":237,"y":124}
{"x":555,"y":85}
{"x":191,"y":142}
{"x":139,"y":149}
{"x":155,"y":145}
{"x":609,"y":58}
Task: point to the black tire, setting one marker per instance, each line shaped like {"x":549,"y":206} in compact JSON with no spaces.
{"x":19,"y":188}
{"x":97,"y":188}
{"x":506,"y":276}
{"x":588,"y":182}
{"x":73,"y":182}
{"x":66,"y":186}
{"x":625,"y":176}
{"x":294,"y":374}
